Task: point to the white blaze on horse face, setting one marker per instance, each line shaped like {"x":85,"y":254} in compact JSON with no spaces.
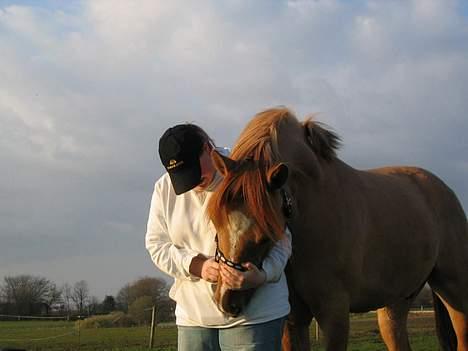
{"x":238,"y":225}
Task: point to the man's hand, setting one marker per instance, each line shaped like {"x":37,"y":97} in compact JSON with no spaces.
{"x":205,"y":268}
{"x":237,"y":280}
{"x":210,"y":270}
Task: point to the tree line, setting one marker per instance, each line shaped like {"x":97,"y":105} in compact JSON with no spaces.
{"x":29,"y":295}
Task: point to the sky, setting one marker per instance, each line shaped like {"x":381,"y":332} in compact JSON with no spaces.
{"x":88,"y":87}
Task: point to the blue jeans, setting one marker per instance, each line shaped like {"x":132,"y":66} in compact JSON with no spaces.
{"x":255,"y":337}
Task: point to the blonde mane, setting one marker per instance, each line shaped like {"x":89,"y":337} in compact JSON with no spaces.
{"x":256,"y":151}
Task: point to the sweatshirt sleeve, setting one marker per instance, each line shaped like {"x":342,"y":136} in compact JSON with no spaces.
{"x":277,"y":258}
{"x":169,"y":258}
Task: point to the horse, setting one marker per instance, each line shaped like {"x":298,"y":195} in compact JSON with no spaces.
{"x":362,"y":240}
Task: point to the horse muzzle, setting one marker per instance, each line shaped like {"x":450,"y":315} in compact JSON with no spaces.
{"x":233,"y":302}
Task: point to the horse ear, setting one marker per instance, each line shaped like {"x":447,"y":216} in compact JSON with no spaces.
{"x":277,"y":176}
{"x":222,"y":163}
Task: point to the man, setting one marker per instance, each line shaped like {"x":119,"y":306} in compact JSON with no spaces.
{"x":180,"y":240}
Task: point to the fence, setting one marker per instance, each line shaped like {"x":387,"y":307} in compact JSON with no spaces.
{"x":32,"y":334}
{"x":60,"y":333}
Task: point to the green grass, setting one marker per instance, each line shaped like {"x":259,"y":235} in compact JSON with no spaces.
{"x":41,"y":336}
{"x":32,"y":335}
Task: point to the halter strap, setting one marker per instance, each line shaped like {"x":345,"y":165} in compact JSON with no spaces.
{"x":219,"y":256}
{"x":287,"y":208}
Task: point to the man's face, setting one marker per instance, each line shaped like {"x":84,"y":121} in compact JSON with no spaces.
{"x":207,"y":169}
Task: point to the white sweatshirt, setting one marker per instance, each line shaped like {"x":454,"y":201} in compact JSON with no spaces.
{"x":178,"y":230}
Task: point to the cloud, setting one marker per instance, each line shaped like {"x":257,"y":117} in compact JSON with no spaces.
{"x":86,"y":90}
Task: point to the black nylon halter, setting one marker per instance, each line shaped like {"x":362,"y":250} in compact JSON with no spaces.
{"x":287,"y":209}
{"x":287,"y":206}
{"x":219,"y":256}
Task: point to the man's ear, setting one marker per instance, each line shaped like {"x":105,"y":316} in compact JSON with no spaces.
{"x":222,"y":163}
{"x":277,"y":176}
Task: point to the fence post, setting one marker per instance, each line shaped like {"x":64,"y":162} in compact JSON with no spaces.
{"x":317,"y":331}
{"x":79,"y":333}
{"x":153,"y":327}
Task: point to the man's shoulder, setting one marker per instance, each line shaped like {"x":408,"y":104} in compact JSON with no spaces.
{"x":163,"y":183}
{"x":164,"y":187}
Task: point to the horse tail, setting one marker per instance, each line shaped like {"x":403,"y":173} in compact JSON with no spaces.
{"x":445,"y":331}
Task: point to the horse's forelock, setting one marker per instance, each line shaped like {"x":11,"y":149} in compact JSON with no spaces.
{"x":258,"y":143}
{"x":251,"y":187}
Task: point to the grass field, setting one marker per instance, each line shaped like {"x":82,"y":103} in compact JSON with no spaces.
{"x":61,"y":335}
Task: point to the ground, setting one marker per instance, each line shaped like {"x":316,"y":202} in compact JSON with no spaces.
{"x":62,"y":335}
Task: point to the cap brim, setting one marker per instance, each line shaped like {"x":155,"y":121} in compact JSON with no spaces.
{"x":185,"y":178}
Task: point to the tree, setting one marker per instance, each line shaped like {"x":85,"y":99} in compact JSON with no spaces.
{"x":67,"y":297}
{"x":80,"y":295}
{"x":156,"y":288}
{"x":108,"y":305}
{"x":148,"y":286}
{"x":123,"y":298}
{"x":93,"y":305}
{"x":139,"y":309}
{"x":27,"y":294}
{"x":53,"y":295}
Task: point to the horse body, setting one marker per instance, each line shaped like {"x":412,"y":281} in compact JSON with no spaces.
{"x":362,"y":240}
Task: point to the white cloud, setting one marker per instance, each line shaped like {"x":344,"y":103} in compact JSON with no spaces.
{"x":86,"y":91}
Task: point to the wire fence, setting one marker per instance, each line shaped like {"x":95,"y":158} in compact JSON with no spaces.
{"x":62,"y":332}
{"x":17,"y":318}
{"x":40,"y":339}
{"x":58,"y":333}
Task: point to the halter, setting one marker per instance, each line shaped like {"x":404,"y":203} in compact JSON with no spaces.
{"x":287,"y":206}
{"x":287,"y":209}
{"x":219,"y":256}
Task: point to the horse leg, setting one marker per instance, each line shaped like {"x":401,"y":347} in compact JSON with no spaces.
{"x":392,"y":324}
{"x":333,"y":318}
{"x":459,"y":323}
{"x":295,"y":337}
{"x":296,"y":329}
{"x":449,"y":282}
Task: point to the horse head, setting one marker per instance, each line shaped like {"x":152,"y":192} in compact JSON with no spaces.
{"x":245,"y":212}
{"x":274,"y":156}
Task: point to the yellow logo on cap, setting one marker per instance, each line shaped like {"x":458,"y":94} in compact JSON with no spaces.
{"x":173,"y":164}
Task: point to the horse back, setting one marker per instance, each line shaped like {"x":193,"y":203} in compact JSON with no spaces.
{"x":420,"y":189}
{"x":410,"y":222}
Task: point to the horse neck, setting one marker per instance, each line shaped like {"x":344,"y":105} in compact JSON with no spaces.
{"x":333,"y":180}
{"x":337,"y":172}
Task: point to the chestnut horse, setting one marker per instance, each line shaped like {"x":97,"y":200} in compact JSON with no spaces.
{"x":362,"y":240}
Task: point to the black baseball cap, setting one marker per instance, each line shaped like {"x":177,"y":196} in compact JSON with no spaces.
{"x":180,"y":149}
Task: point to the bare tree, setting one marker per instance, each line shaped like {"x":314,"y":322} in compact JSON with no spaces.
{"x":80,"y":295}
{"x":26,"y":293}
{"x":67,"y":297}
{"x":53,"y":295}
{"x":93,"y":305}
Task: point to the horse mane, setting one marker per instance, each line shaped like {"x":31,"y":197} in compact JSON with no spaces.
{"x":321,"y":139}
{"x":256,"y":151}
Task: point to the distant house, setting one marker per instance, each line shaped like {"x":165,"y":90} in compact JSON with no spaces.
{"x":57,"y":308}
